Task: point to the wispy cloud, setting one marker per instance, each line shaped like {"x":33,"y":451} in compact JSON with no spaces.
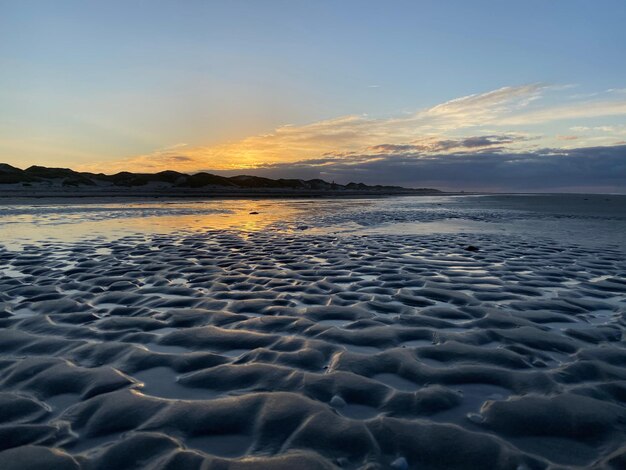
{"x":585,"y":109}
{"x":607,"y":130}
{"x":497,"y":124}
{"x":431,"y":145}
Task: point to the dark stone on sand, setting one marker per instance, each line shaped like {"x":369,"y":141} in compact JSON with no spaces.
{"x":400,"y":464}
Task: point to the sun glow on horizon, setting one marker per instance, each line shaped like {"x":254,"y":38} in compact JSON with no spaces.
{"x":503,"y":120}
{"x":373,"y":94}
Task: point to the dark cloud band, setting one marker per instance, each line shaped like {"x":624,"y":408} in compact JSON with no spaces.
{"x":593,"y":169}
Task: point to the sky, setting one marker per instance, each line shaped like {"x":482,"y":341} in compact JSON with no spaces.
{"x":481,"y":95}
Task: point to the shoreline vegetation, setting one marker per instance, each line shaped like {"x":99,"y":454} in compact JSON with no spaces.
{"x":40,"y":182}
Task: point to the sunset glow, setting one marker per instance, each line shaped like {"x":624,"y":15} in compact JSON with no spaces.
{"x":312,"y":234}
{"x":285,"y":90}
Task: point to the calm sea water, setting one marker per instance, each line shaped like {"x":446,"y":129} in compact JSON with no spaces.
{"x":589,"y":220}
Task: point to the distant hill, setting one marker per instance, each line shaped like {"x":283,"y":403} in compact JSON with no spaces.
{"x":63,"y":179}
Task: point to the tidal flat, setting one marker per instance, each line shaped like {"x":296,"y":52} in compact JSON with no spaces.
{"x":422,"y":332}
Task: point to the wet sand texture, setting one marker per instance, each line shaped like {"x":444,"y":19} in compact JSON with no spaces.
{"x":233,"y":351}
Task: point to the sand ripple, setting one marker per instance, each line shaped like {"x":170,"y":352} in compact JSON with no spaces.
{"x":266,"y":350}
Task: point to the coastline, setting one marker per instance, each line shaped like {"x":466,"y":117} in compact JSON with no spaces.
{"x":8,"y":196}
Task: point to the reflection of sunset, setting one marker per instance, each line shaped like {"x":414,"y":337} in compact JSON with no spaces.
{"x":239,"y":219}
{"x":113,"y":220}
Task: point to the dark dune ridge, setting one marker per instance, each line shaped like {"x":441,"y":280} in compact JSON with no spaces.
{"x":38,"y":179}
{"x":225,"y":350}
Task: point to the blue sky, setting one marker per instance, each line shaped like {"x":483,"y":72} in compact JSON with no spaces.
{"x":130,"y":84}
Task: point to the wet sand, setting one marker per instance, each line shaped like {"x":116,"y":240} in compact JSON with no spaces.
{"x":451,"y":334}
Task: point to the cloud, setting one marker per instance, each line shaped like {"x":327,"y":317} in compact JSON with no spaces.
{"x":435,"y":145}
{"x":480,"y":109}
{"x":181,"y":158}
{"x":341,"y":134}
{"x":488,"y":126}
{"x":586,"y":109}
{"x":592,"y":169}
{"x":616,"y":130}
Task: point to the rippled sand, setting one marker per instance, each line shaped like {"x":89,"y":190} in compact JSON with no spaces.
{"x":321,"y":337}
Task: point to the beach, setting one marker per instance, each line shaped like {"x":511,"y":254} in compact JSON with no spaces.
{"x":478,"y":331}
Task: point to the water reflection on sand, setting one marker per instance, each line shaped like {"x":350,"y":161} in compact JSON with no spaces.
{"x":585,"y":219}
